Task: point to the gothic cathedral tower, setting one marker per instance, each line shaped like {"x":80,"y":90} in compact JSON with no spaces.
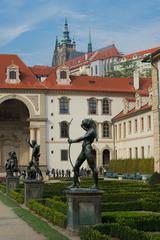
{"x":63,"y":48}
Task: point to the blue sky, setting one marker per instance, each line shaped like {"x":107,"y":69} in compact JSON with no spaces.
{"x":29,"y":28}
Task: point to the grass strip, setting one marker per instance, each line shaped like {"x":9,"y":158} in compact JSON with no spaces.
{"x":39,"y":225}
{"x":8,"y":201}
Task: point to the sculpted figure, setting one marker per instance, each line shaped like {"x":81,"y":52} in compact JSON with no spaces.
{"x":12,"y":164}
{"x":33,"y":166}
{"x":87,"y":152}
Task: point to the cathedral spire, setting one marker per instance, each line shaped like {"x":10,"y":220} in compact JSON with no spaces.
{"x":66,"y":32}
{"x":89,"y":43}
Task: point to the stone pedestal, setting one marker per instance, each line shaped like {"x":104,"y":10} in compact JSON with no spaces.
{"x":84,"y":207}
{"x":33,"y":189}
{"x":12,"y":182}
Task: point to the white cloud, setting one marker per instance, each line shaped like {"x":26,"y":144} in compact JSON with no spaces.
{"x":10,"y":33}
{"x":26,"y":21}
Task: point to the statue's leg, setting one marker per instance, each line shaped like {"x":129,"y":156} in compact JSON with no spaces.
{"x":81,"y":158}
{"x":92,"y":164}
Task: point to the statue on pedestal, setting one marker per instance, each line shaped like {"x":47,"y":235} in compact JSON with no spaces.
{"x":33,"y":170}
{"x":11,"y":165}
{"x":87,"y":152}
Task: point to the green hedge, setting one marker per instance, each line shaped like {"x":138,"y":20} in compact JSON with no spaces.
{"x":103,"y":231}
{"x":50,"y":214}
{"x":141,"y":221}
{"x":145,"y":166}
{"x":17,"y":195}
{"x":57,"y":205}
{"x":2,"y":188}
{"x":89,"y":233}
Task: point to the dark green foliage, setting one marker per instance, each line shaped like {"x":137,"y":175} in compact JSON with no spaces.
{"x":89,"y":233}
{"x":17,"y":195}
{"x":112,"y":230}
{"x":55,"y":204}
{"x":50,"y":214}
{"x":154,"y":179}
{"x":145,"y":166}
{"x":2,"y":188}
{"x":140,"y":221}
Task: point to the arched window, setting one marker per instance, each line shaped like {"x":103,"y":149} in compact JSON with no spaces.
{"x":64,"y":130}
{"x":106,"y":131}
{"x":106,"y":157}
{"x":64,"y":105}
{"x":106,"y":106}
{"x":92,"y":103}
{"x":12,"y":75}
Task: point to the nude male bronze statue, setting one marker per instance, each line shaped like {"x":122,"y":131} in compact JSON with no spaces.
{"x":87,"y":152}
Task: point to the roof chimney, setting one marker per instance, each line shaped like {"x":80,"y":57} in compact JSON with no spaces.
{"x":136,"y":79}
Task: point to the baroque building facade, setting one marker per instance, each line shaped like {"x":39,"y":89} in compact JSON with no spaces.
{"x":39,"y":103}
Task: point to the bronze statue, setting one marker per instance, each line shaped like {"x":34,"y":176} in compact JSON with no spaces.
{"x":87,"y":152}
{"x":11,"y":165}
{"x":33,"y":167}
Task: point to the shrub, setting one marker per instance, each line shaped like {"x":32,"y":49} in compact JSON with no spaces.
{"x":154,"y":179}
{"x":101,"y":231}
{"x":2,"y":188}
{"x":140,"y":221}
{"x":49,"y":213}
{"x":132,"y":165}
{"x":17,"y":195}
{"x":57,"y":205}
{"x":88,"y":233}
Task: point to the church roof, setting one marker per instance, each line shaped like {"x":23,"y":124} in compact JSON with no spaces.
{"x":140,"y":53}
{"x":101,"y":54}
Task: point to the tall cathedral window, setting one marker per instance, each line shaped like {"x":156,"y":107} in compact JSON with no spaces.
{"x":64,"y":105}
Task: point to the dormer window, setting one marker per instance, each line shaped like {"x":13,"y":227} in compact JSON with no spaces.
{"x":63,"y":75}
{"x":12,"y":74}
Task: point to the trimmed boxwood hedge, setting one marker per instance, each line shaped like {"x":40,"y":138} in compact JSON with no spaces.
{"x":50,"y":214}
{"x":2,"y":188}
{"x":112,"y":230}
{"x":17,"y":195}
{"x":57,"y":205}
{"x":145,"y":166}
{"x":141,"y":221}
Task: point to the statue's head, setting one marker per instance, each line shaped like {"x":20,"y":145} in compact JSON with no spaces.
{"x":34,"y":142}
{"x":88,"y":123}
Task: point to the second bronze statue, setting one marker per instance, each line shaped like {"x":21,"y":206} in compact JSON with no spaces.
{"x":86,"y":153}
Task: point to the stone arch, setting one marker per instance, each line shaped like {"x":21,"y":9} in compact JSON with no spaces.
{"x":26,"y":102}
{"x":14,"y":131}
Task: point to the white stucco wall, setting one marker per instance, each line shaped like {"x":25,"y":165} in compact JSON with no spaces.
{"x":78,"y":110}
{"x":135,"y":139}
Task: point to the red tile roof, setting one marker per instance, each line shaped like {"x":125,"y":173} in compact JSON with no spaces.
{"x":106,"y":53}
{"x":28,"y":78}
{"x":122,"y":115}
{"x":129,"y":99}
{"x":101,"y":54}
{"x":78,"y":83}
{"x":41,"y":70}
{"x":141,"y":53}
